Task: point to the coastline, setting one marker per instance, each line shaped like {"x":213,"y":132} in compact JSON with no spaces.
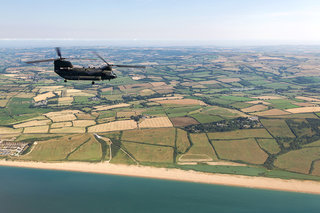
{"x":302,"y":186}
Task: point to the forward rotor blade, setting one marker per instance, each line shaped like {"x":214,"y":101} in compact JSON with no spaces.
{"x":128,"y":66}
{"x":99,"y":56}
{"x":58,"y":52}
{"x":39,"y":61}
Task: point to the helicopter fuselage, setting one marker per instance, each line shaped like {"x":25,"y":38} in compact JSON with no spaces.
{"x":66,"y":70}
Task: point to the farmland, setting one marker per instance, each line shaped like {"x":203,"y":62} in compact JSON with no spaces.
{"x":277,"y":127}
{"x":236,"y":111}
{"x":234,"y":150}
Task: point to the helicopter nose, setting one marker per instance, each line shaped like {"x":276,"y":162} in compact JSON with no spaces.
{"x":114,"y":75}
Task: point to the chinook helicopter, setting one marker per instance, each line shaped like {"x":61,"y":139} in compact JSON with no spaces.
{"x":66,"y":70}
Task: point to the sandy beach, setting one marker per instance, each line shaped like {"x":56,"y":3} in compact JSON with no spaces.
{"x":312,"y":187}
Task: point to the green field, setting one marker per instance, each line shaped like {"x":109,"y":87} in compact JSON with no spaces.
{"x":182,"y":141}
{"x":238,"y":134}
{"x":298,"y":160}
{"x":270,"y":145}
{"x":200,"y":146}
{"x":180,"y":111}
{"x":249,"y":171}
{"x":242,"y":150}
{"x":56,"y":149}
{"x":161,"y":136}
{"x":149,"y":153}
{"x":90,"y":151}
{"x":236,"y":98}
{"x":282,"y":104}
{"x":277,"y":127}
{"x":205,"y":118}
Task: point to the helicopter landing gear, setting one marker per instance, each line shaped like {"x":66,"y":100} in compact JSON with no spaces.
{"x":92,"y":82}
{"x":65,"y":80}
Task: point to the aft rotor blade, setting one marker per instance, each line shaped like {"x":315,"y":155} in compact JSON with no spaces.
{"x":39,"y":61}
{"x":129,"y":66}
{"x":99,"y":56}
{"x":58,"y":52}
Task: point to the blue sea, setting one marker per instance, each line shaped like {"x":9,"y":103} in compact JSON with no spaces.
{"x":45,"y":191}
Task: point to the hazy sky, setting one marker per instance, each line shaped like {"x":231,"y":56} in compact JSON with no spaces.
{"x":284,"y":20}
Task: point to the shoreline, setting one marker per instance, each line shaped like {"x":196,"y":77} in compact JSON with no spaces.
{"x":291,"y":185}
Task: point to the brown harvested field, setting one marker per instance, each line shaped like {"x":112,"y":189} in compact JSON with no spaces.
{"x":208,"y":82}
{"x":126,"y":114}
{"x":3,"y":102}
{"x":308,"y":99}
{"x":304,"y":109}
{"x":76,"y":92}
{"x":158,"y":84}
{"x":300,"y":115}
{"x":201,"y":149}
{"x":69,"y":130}
{"x":258,"y":102}
{"x":62,"y":118}
{"x":146,"y":92}
{"x":32,"y":123}
{"x":182,"y":143}
{"x":316,"y":168}
{"x":269,"y":97}
{"x":155,"y":122}
{"x":7,"y":130}
{"x":229,"y":80}
{"x":162,"y":136}
{"x":122,"y":88}
{"x":138,"y":77}
{"x":107,"y":107}
{"x":246,"y":150}
{"x":61,"y":124}
{"x":65,"y":100}
{"x":270,"y":58}
{"x":55,"y":149}
{"x":183,"y":121}
{"x":83,"y":123}
{"x":298,"y":160}
{"x":49,"y":88}
{"x":36,"y":129}
{"x":25,"y":95}
{"x":183,"y":102}
{"x":270,"y":145}
{"x":277,"y":127}
{"x":163,"y":91}
{"x":84,"y":116}
{"x":255,"y":108}
{"x":150,"y":153}
{"x":303,"y":104}
{"x":189,"y":84}
{"x":166,"y":98}
{"x":107,"y":89}
{"x":272,"y":112}
{"x":243,"y":133}
{"x":63,"y":112}
{"x":43,"y":96}
{"x":113,"y":126}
